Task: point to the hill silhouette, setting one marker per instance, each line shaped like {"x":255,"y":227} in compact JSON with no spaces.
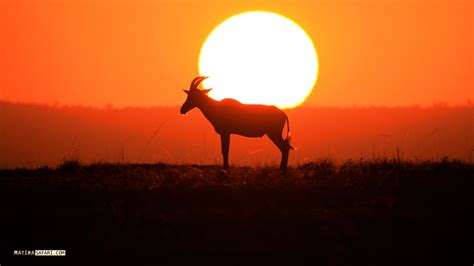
{"x":35,"y":135}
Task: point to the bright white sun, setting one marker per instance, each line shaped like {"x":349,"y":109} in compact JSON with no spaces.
{"x":261,"y":58}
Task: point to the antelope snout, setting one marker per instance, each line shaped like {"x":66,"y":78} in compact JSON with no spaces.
{"x":183,"y":111}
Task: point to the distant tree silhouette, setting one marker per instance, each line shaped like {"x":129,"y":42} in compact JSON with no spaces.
{"x":229,"y":116}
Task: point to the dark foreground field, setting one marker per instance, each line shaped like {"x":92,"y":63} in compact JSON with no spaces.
{"x":359,"y":212}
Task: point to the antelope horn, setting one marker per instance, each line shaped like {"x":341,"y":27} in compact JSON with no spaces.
{"x":196,"y":81}
{"x":192,"y":82}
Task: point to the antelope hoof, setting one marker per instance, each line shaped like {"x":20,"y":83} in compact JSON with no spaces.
{"x":222,"y":174}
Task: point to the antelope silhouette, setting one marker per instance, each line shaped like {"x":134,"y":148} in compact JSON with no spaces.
{"x":229,"y":116}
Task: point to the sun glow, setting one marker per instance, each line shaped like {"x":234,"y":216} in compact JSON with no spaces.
{"x":261,"y":58}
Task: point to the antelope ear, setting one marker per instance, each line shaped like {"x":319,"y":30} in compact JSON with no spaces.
{"x":185,"y":91}
{"x":207,"y":91}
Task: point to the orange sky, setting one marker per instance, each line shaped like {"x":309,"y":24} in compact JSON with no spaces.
{"x":142,"y":53}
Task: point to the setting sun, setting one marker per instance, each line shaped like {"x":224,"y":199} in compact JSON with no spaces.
{"x":259,"y":58}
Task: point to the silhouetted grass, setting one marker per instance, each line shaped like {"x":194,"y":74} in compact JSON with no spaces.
{"x":70,"y":164}
{"x":373,"y":212}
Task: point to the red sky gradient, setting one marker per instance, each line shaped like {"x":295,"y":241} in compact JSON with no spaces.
{"x":142,"y":53}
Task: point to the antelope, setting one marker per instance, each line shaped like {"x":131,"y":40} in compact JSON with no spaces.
{"x":229,"y":116}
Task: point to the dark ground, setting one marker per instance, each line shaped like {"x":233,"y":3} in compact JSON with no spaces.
{"x":360,"y":212}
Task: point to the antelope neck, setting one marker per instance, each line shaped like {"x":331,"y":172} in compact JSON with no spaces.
{"x":208,"y":108}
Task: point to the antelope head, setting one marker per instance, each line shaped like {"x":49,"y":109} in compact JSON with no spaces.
{"x":195,"y":96}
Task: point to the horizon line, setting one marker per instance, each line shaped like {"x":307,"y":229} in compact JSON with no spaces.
{"x":110,"y":106}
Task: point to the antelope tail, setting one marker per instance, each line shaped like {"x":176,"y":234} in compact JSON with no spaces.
{"x":288,"y":133}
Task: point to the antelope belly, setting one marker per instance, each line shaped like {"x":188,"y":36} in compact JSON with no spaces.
{"x":249,"y":134}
